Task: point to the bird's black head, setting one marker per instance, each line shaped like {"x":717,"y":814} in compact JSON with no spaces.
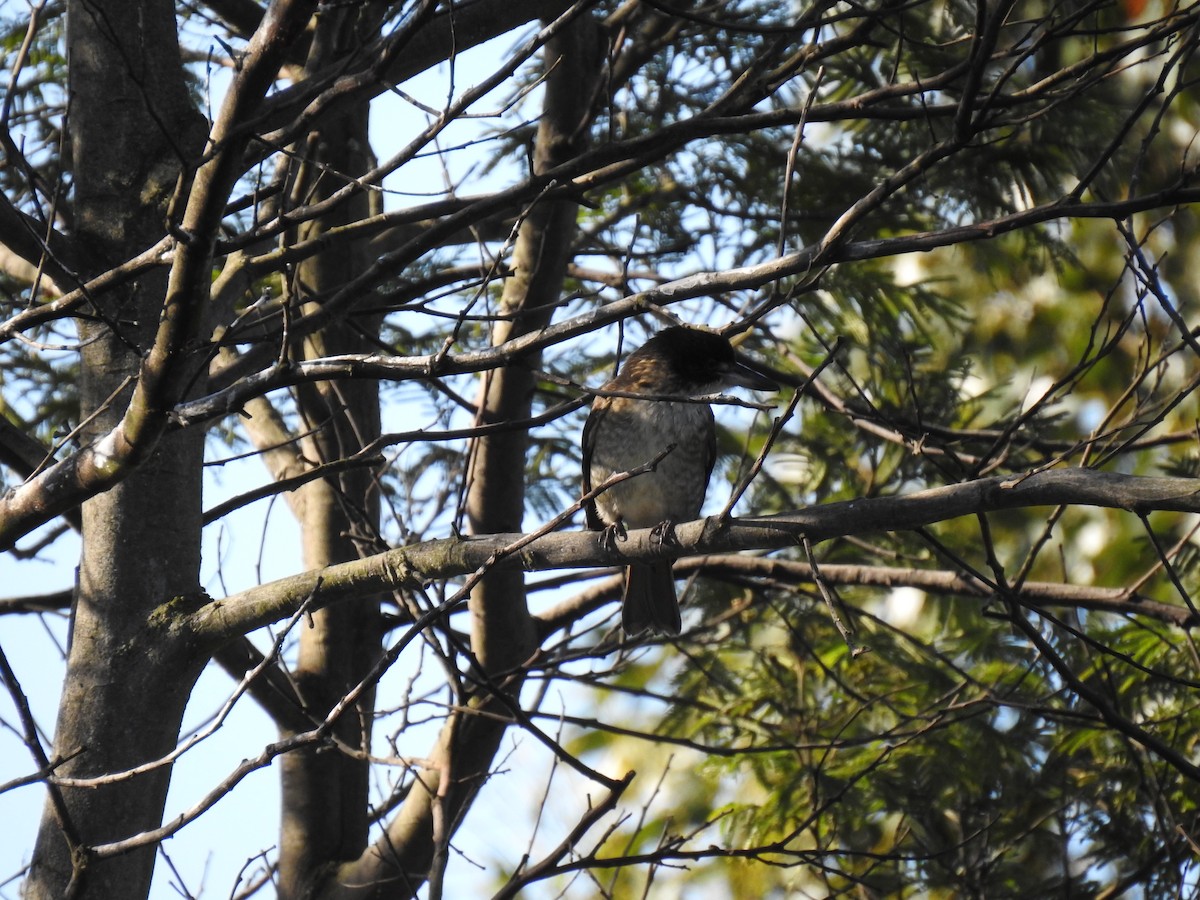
{"x":697,"y":362}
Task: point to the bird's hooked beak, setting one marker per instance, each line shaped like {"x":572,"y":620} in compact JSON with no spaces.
{"x":737,"y":375}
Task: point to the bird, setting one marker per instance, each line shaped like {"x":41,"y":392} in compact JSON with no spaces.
{"x":675,"y":366}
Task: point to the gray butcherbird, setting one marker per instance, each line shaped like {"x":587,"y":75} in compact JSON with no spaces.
{"x":622,"y":433}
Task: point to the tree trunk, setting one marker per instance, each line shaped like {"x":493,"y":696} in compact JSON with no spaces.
{"x":131,"y":125}
{"x":502,"y":634}
{"x":325,"y":792}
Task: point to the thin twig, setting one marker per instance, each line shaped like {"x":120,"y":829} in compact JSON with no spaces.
{"x":833,"y":602}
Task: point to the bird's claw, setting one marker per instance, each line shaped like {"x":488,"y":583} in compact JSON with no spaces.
{"x":664,"y":533}
{"x":612,"y":534}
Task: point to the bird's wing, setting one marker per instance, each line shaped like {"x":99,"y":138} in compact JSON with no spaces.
{"x":588,"y":441}
{"x":710,"y":448}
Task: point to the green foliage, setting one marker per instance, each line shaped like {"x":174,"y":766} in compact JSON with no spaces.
{"x":954,"y":758}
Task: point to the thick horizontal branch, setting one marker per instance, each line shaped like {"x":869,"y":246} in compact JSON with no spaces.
{"x":407,"y":567}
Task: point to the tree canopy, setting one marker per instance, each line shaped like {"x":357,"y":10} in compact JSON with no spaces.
{"x":302,"y":305}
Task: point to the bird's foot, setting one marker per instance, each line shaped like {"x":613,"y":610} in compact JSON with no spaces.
{"x":612,"y":534}
{"x":664,"y":533}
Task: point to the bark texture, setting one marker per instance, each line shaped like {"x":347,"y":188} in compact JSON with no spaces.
{"x":503,"y":636}
{"x":132,"y":127}
{"x":325,"y":792}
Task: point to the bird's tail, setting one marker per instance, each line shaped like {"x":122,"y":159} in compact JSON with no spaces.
{"x":650,"y":602}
